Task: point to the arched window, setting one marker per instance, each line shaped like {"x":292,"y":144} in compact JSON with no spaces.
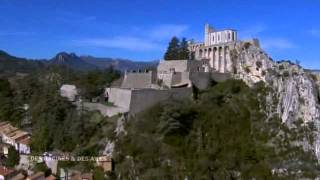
{"x":213,"y":38}
{"x":229,"y":36}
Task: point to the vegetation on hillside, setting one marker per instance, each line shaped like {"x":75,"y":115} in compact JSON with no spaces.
{"x":56,"y":123}
{"x":224,"y":135}
{"x":10,"y":63}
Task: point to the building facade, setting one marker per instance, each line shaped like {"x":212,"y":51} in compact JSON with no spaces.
{"x":215,"y":48}
{"x":176,"y":73}
{"x":15,"y":137}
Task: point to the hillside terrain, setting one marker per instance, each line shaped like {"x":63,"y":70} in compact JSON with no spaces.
{"x":261,"y":124}
{"x":9,"y":63}
{"x":12,"y":64}
{"x":264,"y":124}
{"x":71,"y":61}
{"x":223,"y":134}
{"x":119,"y":64}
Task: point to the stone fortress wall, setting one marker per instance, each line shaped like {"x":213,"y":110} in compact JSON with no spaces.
{"x":177,"y":72}
{"x":137,"y":100}
{"x":174,"y":79}
{"x":138,"y":79}
{"x":120,"y":97}
{"x":145,"y":98}
{"x":202,"y":80}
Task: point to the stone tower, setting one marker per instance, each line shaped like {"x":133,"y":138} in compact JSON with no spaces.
{"x":207,"y":31}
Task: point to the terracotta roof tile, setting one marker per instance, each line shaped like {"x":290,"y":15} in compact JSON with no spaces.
{"x":4,"y":171}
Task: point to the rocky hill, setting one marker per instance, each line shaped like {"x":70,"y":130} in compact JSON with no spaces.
{"x":294,"y":91}
{"x":225,"y":134}
{"x":264,"y":128}
{"x":71,"y":61}
{"x":9,"y":63}
{"x":90,"y":63}
{"x":120,"y":64}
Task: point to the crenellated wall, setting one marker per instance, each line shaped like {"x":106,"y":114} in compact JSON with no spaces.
{"x":138,"y":79}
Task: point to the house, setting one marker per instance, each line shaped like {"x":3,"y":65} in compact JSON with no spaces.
{"x":37,"y":176}
{"x":51,"y":177}
{"x":69,"y":91}
{"x":19,"y":176}
{"x":6,"y":173}
{"x":4,"y":149}
{"x":79,"y":176}
{"x":15,"y":137}
{"x":106,"y":163}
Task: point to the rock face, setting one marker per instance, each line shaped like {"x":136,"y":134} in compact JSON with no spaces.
{"x":71,"y":61}
{"x":294,"y":91}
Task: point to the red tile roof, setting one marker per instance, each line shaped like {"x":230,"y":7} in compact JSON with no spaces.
{"x":4,"y":171}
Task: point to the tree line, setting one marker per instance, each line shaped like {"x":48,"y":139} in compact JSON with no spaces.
{"x":177,"y":49}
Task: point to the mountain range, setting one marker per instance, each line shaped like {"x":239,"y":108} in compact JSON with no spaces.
{"x":10,"y":63}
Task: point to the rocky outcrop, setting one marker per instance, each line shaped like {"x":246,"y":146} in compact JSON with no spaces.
{"x":250,"y":63}
{"x":71,"y":61}
{"x":293,"y":91}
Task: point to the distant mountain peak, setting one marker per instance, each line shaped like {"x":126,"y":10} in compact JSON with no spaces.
{"x":72,"y":61}
{"x":3,"y":52}
{"x":64,"y":56}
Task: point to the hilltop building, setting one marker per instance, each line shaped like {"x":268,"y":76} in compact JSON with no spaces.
{"x":216,"y":48}
{"x":174,"y":79}
{"x":211,"y":60}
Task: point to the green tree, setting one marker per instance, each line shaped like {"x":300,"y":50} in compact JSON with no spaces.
{"x":172,"y":52}
{"x":94,"y":82}
{"x":6,"y":106}
{"x":98,"y":173}
{"x":223,"y":135}
{"x":13,"y":158}
{"x":183,"y":50}
{"x":9,"y":110}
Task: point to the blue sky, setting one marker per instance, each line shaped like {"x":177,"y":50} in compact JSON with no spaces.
{"x":141,"y":29}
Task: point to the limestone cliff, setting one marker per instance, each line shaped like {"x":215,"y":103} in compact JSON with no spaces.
{"x":294,"y":92}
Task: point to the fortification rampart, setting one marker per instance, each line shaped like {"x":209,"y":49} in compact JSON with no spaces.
{"x":146,"y":98}
{"x":119,"y":97}
{"x":220,"y":77}
{"x":137,"y":100}
{"x":138,"y":79}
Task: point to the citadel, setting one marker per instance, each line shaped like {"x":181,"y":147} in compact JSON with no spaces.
{"x":220,"y":57}
{"x":210,"y":61}
{"x":216,"y":49}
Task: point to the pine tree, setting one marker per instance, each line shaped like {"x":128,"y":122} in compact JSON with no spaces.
{"x":183,"y":49}
{"x":172,"y":52}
